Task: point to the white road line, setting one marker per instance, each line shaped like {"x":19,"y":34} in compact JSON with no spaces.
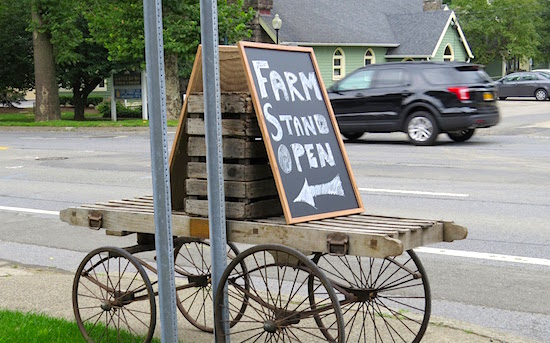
{"x":398,"y":191}
{"x":484,"y":256}
{"x":28,"y":210}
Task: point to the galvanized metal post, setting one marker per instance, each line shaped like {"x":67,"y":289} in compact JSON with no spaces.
{"x":214,"y":154}
{"x":154,"y":57}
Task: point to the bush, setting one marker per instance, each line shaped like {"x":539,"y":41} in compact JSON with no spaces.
{"x":9,"y":97}
{"x":94,"y":100}
{"x":67,"y":100}
{"x":121,"y":111}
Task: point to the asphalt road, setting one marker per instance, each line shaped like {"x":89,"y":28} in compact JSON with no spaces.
{"x":497,"y":184}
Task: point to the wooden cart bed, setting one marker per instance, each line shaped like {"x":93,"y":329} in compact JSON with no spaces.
{"x":357,"y":235}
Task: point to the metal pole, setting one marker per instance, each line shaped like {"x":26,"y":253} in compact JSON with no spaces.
{"x":154,"y":57}
{"x":214,"y":154}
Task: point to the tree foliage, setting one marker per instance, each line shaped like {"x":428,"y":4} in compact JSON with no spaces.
{"x":16,"y":54}
{"x":500,"y":28}
{"x":119,"y":26}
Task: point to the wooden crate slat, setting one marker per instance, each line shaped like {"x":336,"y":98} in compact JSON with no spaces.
{"x":236,"y":189}
{"x":230,"y":102}
{"x":230,"y":127}
{"x":233,"y":172}
{"x":237,"y":210}
{"x":232,"y":148}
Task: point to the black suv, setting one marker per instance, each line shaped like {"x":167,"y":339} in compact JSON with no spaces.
{"x":422,"y":99}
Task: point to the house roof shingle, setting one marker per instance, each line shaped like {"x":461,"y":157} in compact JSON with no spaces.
{"x":398,"y":24}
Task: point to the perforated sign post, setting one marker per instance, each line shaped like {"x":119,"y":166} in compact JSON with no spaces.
{"x":303,"y":142}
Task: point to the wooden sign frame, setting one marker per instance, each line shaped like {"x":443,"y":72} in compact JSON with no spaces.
{"x":338,"y":189}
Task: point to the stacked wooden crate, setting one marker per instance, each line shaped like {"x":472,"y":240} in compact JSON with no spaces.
{"x":250,"y":190}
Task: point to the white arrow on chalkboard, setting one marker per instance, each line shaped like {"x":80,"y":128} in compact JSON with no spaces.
{"x":309,"y":192}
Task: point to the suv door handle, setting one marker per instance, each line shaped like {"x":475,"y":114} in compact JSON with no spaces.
{"x":359,"y":95}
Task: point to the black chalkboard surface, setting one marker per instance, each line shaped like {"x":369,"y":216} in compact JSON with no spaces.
{"x":302,"y":139}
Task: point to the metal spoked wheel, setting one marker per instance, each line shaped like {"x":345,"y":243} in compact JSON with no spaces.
{"x":279,"y":308}
{"x":194,"y":285}
{"x":382,"y":300}
{"x":113,"y":300}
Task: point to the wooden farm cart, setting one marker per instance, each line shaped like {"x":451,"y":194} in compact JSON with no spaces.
{"x":351,"y":277}
{"x":363,"y":278}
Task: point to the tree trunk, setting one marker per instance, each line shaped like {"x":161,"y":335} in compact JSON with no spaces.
{"x":173,"y":94}
{"x":81,"y":91}
{"x":47,"y":91}
{"x":79,"y":101}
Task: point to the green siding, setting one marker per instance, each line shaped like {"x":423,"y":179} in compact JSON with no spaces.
{"x":494,"y":69}
{"x":354,"y":58}
{"x":354,"y":55}
{"x":453,"y":38}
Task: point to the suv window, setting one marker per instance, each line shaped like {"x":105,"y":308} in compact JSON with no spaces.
{"x":460,"y":75}
{"x":390,"y":78}
{"x":359,"y":80}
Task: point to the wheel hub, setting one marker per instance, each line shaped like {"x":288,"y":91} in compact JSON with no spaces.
{"x":269,"y":326}
{"x":106,"y":306}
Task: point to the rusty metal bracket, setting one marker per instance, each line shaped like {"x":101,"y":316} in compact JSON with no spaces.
{"x":337,"y":244}
{"x":95,"y":219}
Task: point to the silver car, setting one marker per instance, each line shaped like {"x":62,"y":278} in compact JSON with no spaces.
{"x":524,"y":84}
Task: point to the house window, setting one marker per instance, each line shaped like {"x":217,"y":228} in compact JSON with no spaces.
{"x":338,"y":64}
{"x":448,"y":55}
{"x":369,"y":57}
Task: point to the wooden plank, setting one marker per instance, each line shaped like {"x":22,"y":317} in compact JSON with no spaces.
{"x":336,"y":223}
{"x":413,"y":221}
{"x":233,"y":172}
{"x":230,"y":127}
{"x":452,"y":232}
{"x":236,"y":189}
{"x":108,"y":208}
{"x":232,"y":148}
{"x":116,"y":204}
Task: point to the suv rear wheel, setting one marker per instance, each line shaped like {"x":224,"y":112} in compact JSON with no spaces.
{"x":422,"y":128}
{"x":461,"y":135}
{"x":352,"y":136}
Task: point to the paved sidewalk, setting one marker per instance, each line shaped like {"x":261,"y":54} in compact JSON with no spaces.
{"x":49,"y":291}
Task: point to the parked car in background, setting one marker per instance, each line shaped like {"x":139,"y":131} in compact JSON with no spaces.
{"x":524,"y":84}
{"x":547,"y":71}
{"x":422,"y":99}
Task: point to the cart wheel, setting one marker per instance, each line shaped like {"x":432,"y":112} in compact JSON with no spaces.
{"x":383,"y":300}
{"x":194,"y":285}
{"x":113,"y":300}
{"x":278,"y":307}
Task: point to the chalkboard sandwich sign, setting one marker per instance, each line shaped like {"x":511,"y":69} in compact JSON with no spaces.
{"x":302,"y":139}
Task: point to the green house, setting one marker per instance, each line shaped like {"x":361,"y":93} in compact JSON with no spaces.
{"x":346,"y":35}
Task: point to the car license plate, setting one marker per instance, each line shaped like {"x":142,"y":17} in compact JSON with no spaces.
{"x":488,"y":96}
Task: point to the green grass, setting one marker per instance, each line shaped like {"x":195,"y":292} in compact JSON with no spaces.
{"x":92,"y":120}
{"x":18,"y":327}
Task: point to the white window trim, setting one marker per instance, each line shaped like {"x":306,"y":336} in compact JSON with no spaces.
{"x":341,"y":67}
{"x":451,"y":57}
{"x":372,"y":56}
